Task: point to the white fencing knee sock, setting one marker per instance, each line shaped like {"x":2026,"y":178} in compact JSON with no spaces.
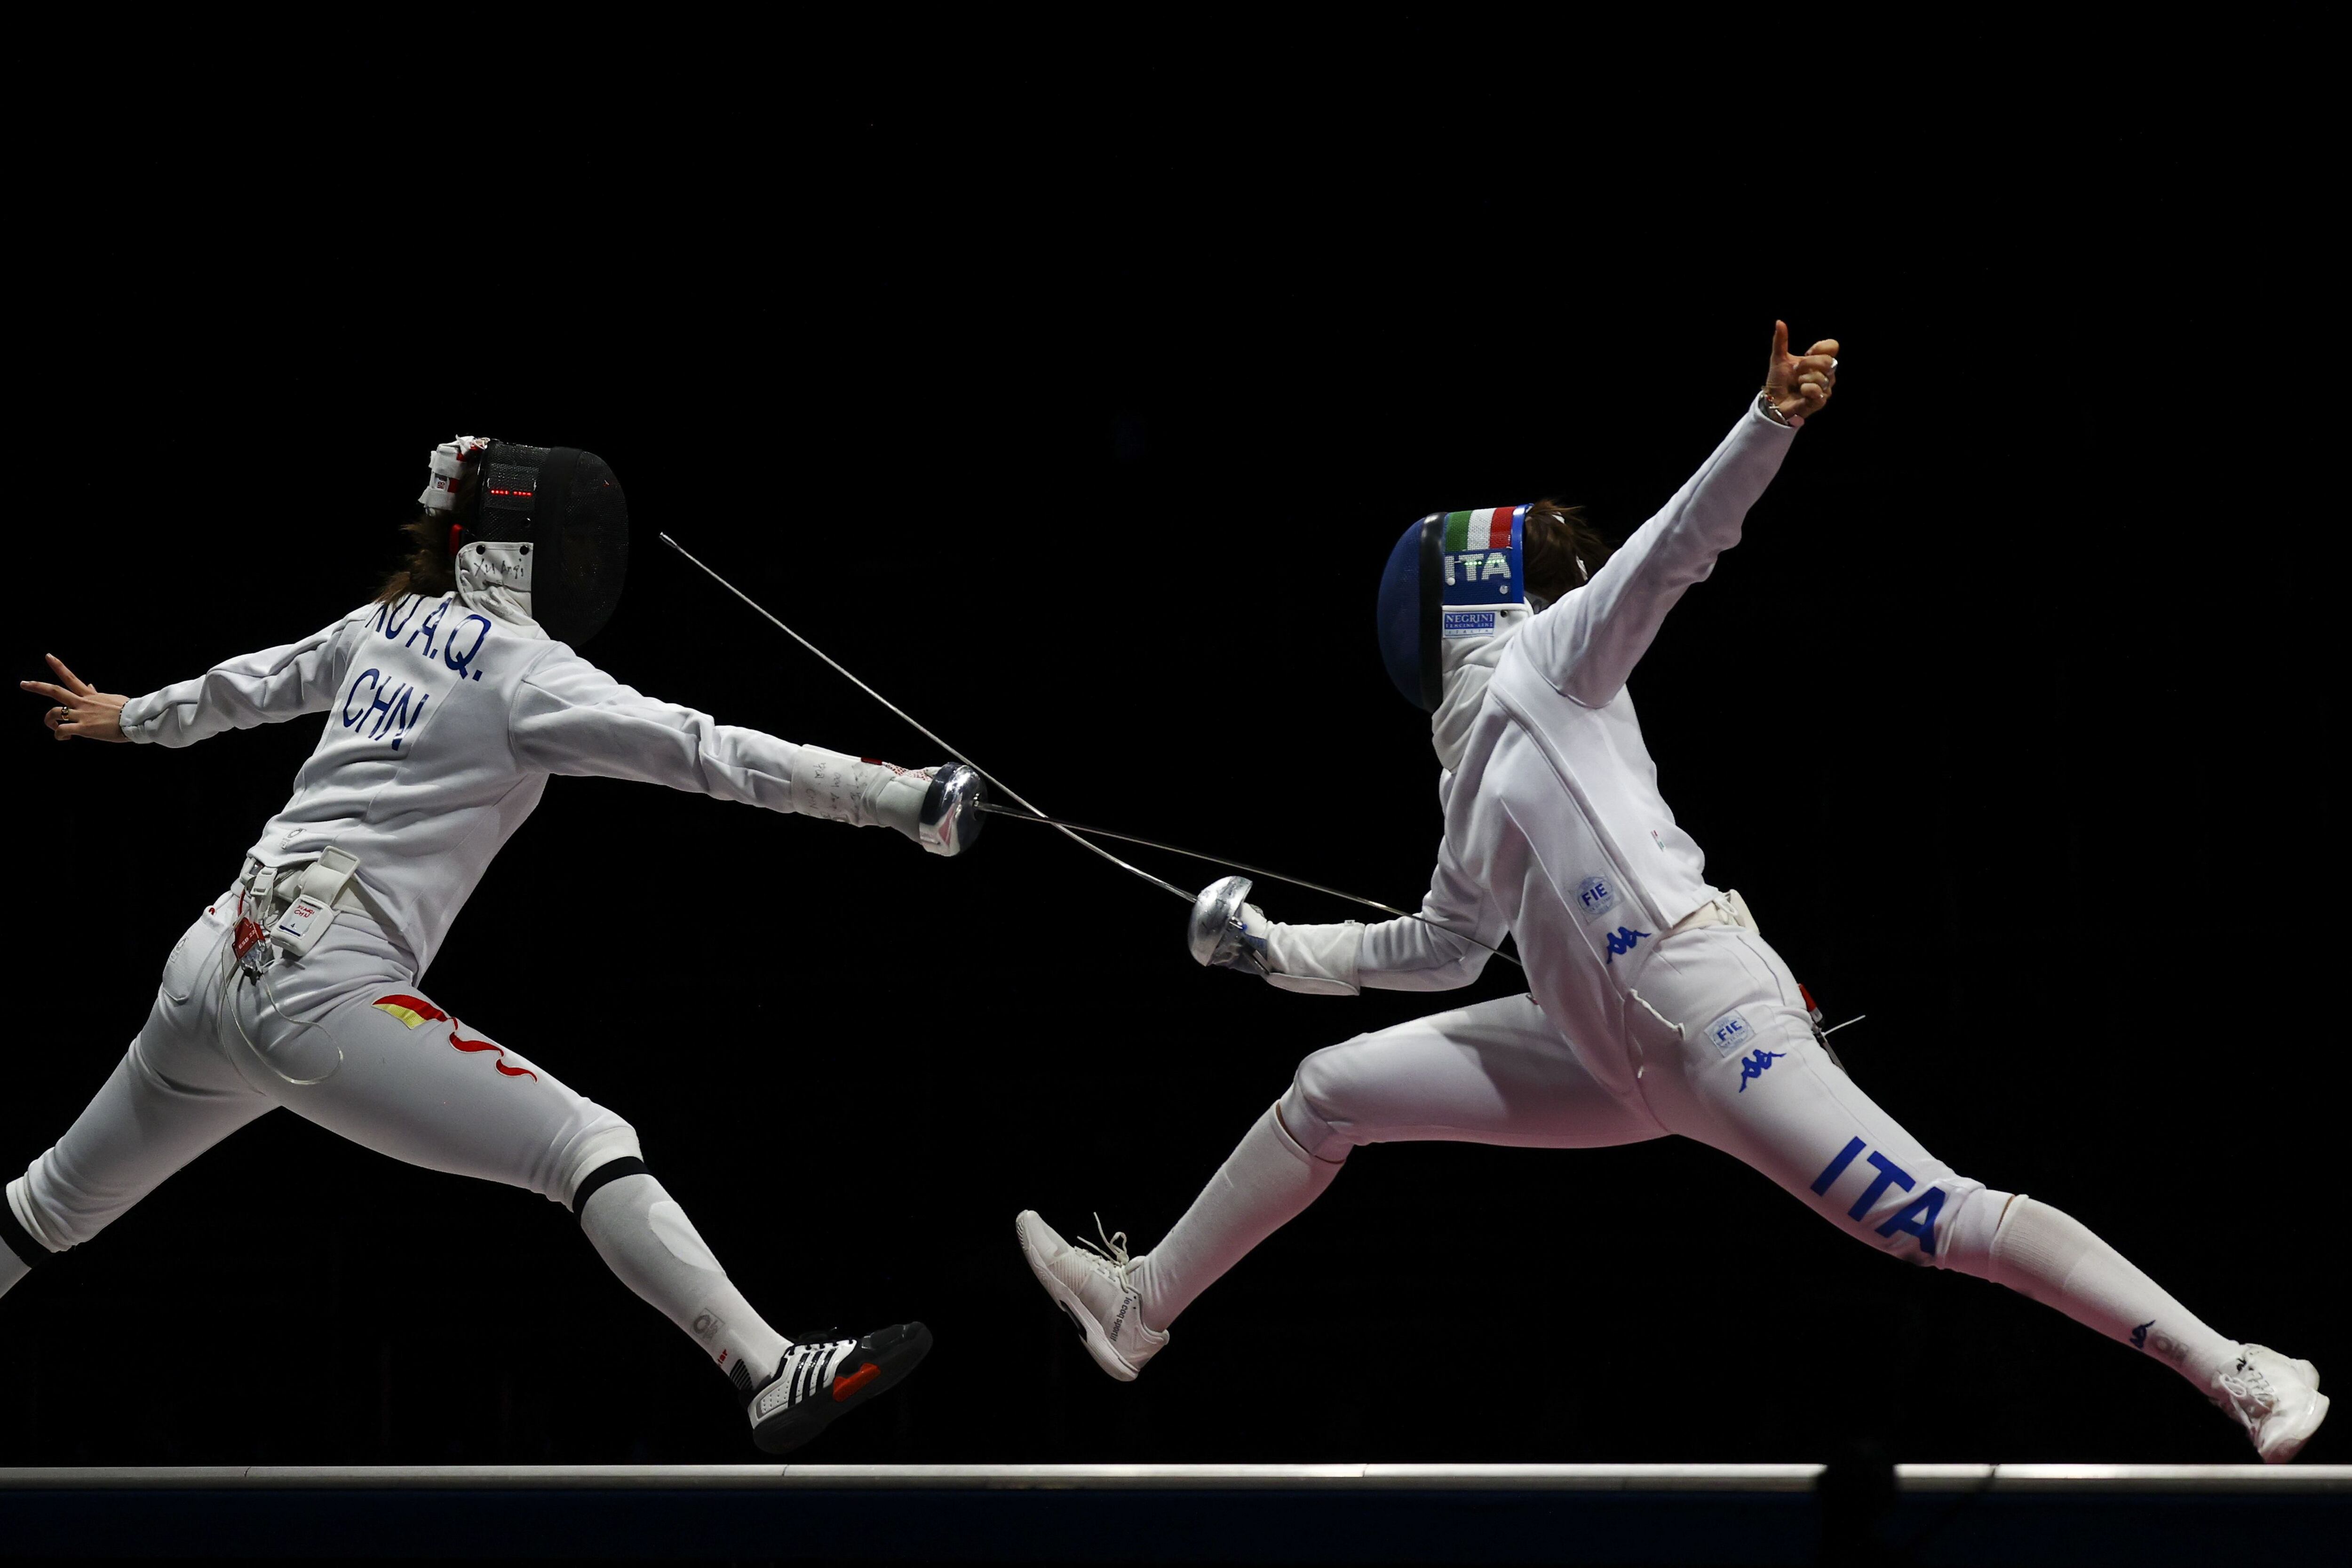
{"x":648,"y":1240}
{"x":1265,"y":1182}
{"x":2049,"y":1255}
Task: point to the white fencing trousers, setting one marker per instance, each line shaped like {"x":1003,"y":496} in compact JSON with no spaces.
{"x":1727,"y":1057}
{"x":1494,"y":1072}
{"x":413,"y":1082}
{"x":1722,"y":1051}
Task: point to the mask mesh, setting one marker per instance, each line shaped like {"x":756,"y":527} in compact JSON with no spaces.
{"x":576,"y":521}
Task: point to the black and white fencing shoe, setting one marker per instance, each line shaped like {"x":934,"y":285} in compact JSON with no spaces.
{"x":824,"y":1378}
{"x":2276,"y":1400}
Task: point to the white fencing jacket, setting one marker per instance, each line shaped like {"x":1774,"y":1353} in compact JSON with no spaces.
{"x":443,"y":724}
{"x":1555,"y":831}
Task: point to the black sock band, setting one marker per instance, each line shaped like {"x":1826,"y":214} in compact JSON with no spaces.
{"x":610,"y":1171}
{"x":19,"y":1240}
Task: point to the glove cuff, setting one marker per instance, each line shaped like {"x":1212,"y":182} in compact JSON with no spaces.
{"x":861,"y":793}
{"x":1316,"y":960}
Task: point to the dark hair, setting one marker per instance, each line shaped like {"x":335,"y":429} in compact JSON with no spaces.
{"x":1563,"y":550}
{"x":425,"y":567}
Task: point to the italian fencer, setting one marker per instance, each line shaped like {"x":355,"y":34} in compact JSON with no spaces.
{"x":1656,"y":1006}
{"x":448,"y":700}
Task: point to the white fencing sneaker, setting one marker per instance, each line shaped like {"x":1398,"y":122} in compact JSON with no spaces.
{"x":2277,"y":1401}
{"x":1094,"y":1289}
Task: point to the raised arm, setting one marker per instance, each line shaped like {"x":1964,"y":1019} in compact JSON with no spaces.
{"x":571,"y":717}
{"x":1590,"y":641}
{"x":268,"y":687}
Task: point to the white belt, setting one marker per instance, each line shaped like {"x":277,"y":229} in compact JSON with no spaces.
{"x":1724,"y":909}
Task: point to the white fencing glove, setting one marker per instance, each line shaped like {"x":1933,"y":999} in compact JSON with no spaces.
{"x":938,"y":808}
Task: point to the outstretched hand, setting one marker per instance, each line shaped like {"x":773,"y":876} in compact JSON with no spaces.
{"x":82,"y":710}
{"x":1800,"y":385}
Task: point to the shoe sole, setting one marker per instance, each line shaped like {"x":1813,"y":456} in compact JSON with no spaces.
{"x":879,"y":1363}
{"x":1091,"y":1333}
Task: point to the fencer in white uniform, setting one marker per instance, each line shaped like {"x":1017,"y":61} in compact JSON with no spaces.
{"x":1655,"y":1006}
{"x":445,"y":711}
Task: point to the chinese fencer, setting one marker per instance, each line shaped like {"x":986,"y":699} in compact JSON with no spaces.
{"x":448,"y":700}
{"x":1656,"y":1006}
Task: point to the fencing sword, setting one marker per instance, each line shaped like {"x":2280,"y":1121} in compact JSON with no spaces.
{"x":1070,"y":830}
{"x":902,"y":713}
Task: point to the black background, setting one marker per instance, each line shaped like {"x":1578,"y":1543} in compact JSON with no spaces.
{"x":1083,"y":434}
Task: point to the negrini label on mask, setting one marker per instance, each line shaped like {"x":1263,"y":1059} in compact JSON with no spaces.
{"x":1468,"y":623}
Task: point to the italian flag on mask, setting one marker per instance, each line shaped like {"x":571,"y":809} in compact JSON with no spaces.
{"x":1488,"y":528}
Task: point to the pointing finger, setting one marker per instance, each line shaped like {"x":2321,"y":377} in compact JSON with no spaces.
{"x":1780,"y":341}
{"x":43,"y":689}
{"x":80,"y":686}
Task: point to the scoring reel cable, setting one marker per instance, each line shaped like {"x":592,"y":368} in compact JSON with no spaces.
{"x":1070,"y":830}
{"x":253,"y":961}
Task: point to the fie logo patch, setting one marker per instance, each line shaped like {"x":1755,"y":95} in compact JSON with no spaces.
{"x":1731,"y":1033}
{"x":1595,"y":896}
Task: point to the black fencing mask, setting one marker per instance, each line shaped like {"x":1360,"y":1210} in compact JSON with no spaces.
{"x":546,"y":525}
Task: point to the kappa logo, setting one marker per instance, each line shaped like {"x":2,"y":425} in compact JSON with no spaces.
{"x":1622,"y":940}
{"x":2139,"y":1335}
{"x":1757,"y":1064}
